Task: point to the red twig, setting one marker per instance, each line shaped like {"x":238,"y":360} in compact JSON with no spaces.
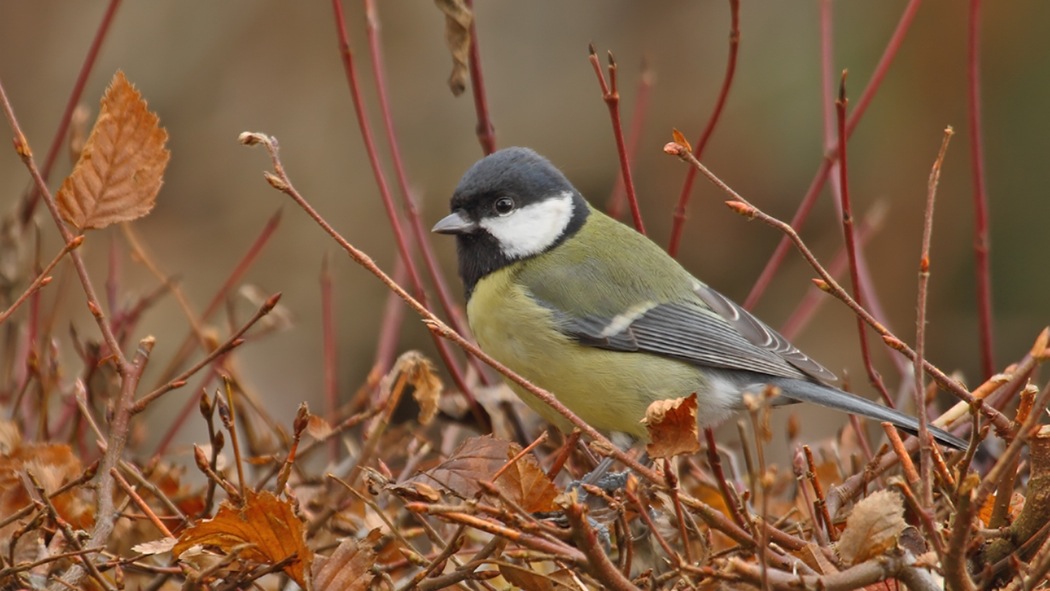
{"x":42,"y":278}
{"x":817,"y":184}
{"x":980,"y":195}
{"x":634,"y":135}
{"x":611,"y":96}
{"x":220,"y":295}
{"x":331,"y":383}
{"x":723,"y":94}
{"x":388,"y":204}
{"x":419,"y":231}
{"x":29,"y":204}
{"x":486,"y":132}
{"x":851,"y":245}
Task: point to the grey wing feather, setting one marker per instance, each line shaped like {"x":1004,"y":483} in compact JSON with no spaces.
{"x":681,"y":330}
{"x":761,"y":335}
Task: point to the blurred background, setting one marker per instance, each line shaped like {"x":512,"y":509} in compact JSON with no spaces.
{"x":212,"y":70}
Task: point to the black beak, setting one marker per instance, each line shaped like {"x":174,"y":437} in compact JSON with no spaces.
{"x":455,"y":223}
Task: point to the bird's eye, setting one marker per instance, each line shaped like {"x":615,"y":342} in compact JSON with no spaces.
{"x":503,"y":205}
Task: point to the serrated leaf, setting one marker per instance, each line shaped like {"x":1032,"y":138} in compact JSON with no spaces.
{"x":267,"y":523}
{"x":349,"y":568}
{"x":121,"y":167}
{"x":872,"y":527}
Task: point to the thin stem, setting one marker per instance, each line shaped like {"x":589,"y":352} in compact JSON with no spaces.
{"x":817,"y":184}
{"x":388,"y":204}
{"x":29,"y":204}
{"x":485,"y":130}
{"x":980,"y":194}
{"x":42,"y":278}
{"x":743,"y":207}
{"x":419,"y":231}
{"x":329,"y":355}
{"x":851,"y":245}
{"x":646,"y":81}
{"x":611,"y":96}
{"x":926,"y":462}
{"x":727,"y":82}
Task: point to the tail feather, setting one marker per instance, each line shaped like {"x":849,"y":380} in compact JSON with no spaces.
{"x":839,"y":400}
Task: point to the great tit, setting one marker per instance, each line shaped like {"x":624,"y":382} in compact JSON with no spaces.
{"x":599,"y":315}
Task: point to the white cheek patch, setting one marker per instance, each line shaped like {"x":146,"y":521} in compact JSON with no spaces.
{"x":532,"y":229}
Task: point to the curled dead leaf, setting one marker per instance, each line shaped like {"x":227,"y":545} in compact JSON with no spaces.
{"x":458,"y":19}
{"x":121,"y":167}
{"x":419,"y":372}
{"x":672,"y":427}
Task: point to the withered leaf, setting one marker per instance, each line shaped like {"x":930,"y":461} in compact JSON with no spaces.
{"x":267,"y":523}
{"x":481,"y":458}
{"x":529,"y":580}
{"x":672,"y":427}
{"x":121,"y":167}
{"x":458,"y":19}
{"x":349,"y":568}
{"x":872,"y":527}
{"x":679,"y":138}
{"x":426,"y":386}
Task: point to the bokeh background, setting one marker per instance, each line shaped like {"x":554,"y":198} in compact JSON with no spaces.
{"x":214,"y":69}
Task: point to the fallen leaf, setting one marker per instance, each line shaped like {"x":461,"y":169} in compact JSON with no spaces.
{"x":349,"y":568}
{"x":267,"y":523}
{"x":481,"y":458}
{"x":872,"y":527}
{"x":458,"y":19}
{"x":121,"y":167}
{"x":672,"y":427}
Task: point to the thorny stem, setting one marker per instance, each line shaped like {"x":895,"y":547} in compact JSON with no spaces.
{"x":350,"y":71}
{"x":980,"y":193}
{"x":29,"y":204}
{"x":678,"y":224}
{"x":926,"y":463}
{"x":817,"y":184}
{"x":611,"y":96}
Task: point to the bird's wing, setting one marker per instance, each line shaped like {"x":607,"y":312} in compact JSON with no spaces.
{"x":761,"y":335}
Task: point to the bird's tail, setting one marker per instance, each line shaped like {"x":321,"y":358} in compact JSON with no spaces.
{"x":804,"y":391}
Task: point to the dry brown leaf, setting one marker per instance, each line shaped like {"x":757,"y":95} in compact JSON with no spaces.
{"x":480,"y":458}
{"x":52,"y":464}
{"x":1016,"y":504}
{"x":679,"y":138}
{"x":458,"y":19}
{"x":121,"y":166}
{"x":529,"y":580}
{"x":672,"y":427}
{"x":267,"y":523}
{"x":349,"y":568}
{"x":872,"y":527}
{"x":427,"y":387}
{"x":317,"y":427}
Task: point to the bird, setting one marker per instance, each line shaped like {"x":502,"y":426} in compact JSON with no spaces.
{"x":599,"y":315}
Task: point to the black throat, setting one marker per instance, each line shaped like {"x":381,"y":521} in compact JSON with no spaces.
{"x":480,"y":254}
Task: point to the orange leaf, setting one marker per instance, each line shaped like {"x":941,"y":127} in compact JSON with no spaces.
{"x":122,"y":165}
{"x":872,"y":527}
{"x":672,"y":427}
{"x":350,"y":566}
{"x":267,"y":523}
